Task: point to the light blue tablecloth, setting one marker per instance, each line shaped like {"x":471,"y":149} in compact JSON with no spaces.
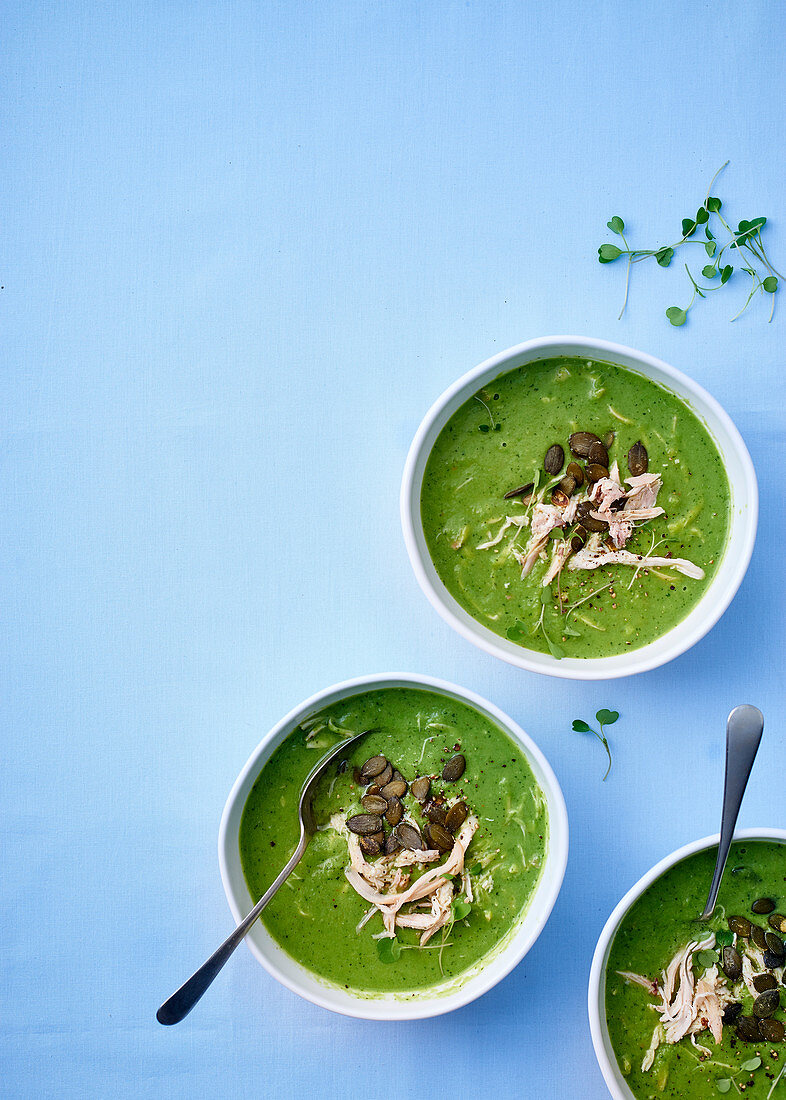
{"x":245,"y":246}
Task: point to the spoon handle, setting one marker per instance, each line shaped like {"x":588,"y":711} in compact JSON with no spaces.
{"x":183,"y":1000}
{"x":743,"y":735}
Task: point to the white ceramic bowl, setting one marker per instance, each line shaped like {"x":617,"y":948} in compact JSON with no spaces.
{"x":388,"y":1006}
{"x":731,"y":570}
{"x":604,"y":1051}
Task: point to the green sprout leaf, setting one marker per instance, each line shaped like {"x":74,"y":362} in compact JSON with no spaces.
{"x":751,"y":1064}
{"x":702,"y":215}
{"x":616,"y":225}
{"x":664,"y":256}
{"x":713,"y":204}
{"x":726,"y":274}
{"x":706,"y":959}
{"x":477,"y":869}
{"x":724,"y":938}
{"x":723,"y":1084}
{"x":605,"y":717}
{"x":517,"y":633}
{"x":608,"y":253}
{"x":709,"y":272}
{"x":770,"y":284}
{"x":710,"y":248}
{"x":389,"y":950}
{"x":688,"y":227}
{"x":460,"y":909}
{"x":677,"y":316}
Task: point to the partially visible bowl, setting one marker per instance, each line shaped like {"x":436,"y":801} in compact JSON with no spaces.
{"x":730,"y":571}
{"x":387,"y":1006}
{"x":596,"y":998}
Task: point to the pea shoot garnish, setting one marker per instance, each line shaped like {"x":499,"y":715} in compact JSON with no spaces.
{"x":604,"y":718}
{"x":743,"y":245}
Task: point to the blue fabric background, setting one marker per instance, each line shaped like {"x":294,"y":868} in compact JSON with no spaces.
{"x":245,"y":246}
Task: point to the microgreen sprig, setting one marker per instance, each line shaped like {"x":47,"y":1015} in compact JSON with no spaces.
{"x":746,"y":240}
{"x":604,"y":718}
{"x":724,"y":1084}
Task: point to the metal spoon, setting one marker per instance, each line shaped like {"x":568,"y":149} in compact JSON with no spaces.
{"x":183,"y":1000}
{"x":743,"y":734}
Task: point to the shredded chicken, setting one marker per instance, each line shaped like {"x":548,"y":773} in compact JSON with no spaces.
{"x":597,"y":556}
{"x":545,"y":517}
{"x":562,"y":552}
{"x":510,"y":521}
{"x":686,"y":1005}
{"x":386,"y":887}
{"x":644,"y":491}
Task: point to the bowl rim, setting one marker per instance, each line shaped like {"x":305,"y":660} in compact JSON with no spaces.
{"x":636,"y":660}
{"x":597,"y":987}
{"x":541,"y":904}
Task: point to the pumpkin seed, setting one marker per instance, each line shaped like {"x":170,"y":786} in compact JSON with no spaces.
{"x":763,"y":982}
{"x":588,"y":521}
{"x":391,"y":845}
{"x":357,"y":778}
{"x":420,"y":788}
{"x":374,"y":804}
{"x":395,"y":788}
{"x":456,"y":816}
{"x":385,"y":776}
{"x":638,"y":459}
{"x":608,"y":440}
{"x":575,"y":471}
{"x":454,"y":769}
{"x":523,"y":491}
{"x":559,"y":498}
{"x":409,"y":837}
{"x":731,"y":963}
{"x":757,"y":937}
{"x":554,"y":460}
{"x":731,"y":1012}
{"x":740,"y":925}
{"x":435,"y":812}
{"x":364,"y":824}
{"x":763,"y":905}
{"x":772,"y":1030}
{"x":578,"y":539}
{"x":774,"y":943}
{"x":373,"y":789}
{"x":766,"y":1003}
{"x":398,"y":777}
{"x":372,"y":767}
{"x":580,"y":443}
{"x":777,"y":921}
{"x":598,"y":454}
{"x":771,"y":960}
{"x":395,"y":811}
{"x":748,"y":1029}
{"x":370,"y":845}
{"x":568,"y":485}
{"x":594,"y":471}
{"x":440,"y":837}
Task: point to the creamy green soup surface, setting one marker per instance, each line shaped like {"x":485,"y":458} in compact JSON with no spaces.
{"x":316,"y":916}
{"x":497,"y":441}
{"x":660,"y":925}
